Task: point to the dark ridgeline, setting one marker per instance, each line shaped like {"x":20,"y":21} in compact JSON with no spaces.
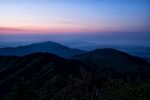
{"x":102,"y":74}
{"x":49,"y":46}
{"x":115,"y":61}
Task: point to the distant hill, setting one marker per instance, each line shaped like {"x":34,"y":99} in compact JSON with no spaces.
{"x":140,"y":51}
{"x":104,"y":59}
{"x":49,"y":47}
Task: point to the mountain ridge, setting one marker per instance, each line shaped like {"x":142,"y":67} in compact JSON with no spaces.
{"x":112,"y":59}
{"x":44,"y":76}
{"x":48,"y":46}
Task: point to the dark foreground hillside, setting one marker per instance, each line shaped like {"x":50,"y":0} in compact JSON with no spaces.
{"x":44,"y":76}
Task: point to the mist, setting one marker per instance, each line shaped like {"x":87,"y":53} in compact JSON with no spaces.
{"x":78,"y":40}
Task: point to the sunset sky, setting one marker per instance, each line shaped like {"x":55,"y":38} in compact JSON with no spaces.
{"x":49,"y":16}
{"x":75,"y":22}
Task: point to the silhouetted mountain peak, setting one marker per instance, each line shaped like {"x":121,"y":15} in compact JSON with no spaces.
{"x":106,"y":51}
{"x":111,"y":58}
{"x":47,"y":43}
{"x":102,"y":53}
{"x":50,"y":47}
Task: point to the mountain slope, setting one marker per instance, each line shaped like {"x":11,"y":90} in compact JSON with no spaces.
{"x":50,"y":47}
{"x":35,"y":73}
{"x":111,"y":59}
{"x":45,"y":76}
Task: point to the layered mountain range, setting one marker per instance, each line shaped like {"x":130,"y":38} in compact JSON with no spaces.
{"x":49,"y":47}
{"x":50,"y":71}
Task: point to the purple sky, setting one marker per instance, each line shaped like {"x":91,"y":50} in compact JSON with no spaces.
{"x":95,"y":21}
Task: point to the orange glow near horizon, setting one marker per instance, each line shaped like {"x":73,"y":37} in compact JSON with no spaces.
{"x":58,"y":29}
{"x":8,"y":30}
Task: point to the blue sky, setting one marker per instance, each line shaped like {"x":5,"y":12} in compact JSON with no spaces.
{"x":103,"y":21}
{"x":90,"y":15}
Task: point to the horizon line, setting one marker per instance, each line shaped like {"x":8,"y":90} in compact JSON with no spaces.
{"x":11,"y":30}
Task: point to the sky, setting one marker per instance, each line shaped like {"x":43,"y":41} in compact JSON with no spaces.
{"x":19,"y":18}
{"x":74,"y":15}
